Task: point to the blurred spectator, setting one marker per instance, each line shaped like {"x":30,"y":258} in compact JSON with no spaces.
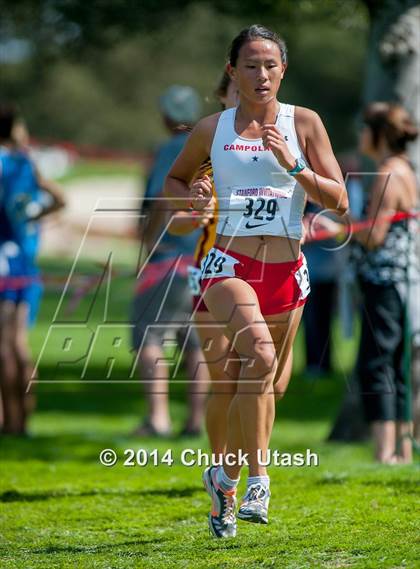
{"x":388,"y":273}
{"x":324,"y":263}
{"x":347,"y":301}
{"x":25,"y":197}
{"x":162,"y":305}
{"x":331,"y":276}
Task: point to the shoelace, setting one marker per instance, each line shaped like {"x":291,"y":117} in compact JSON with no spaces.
{"x":229,"y":513}
{"x":256,"y":492}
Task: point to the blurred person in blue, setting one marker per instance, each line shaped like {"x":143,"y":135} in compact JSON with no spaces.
{"x":25,"y":197}
{"x":163,"y":304}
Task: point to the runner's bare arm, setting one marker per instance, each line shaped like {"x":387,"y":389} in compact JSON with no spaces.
{"x":52,"y":189}
{"x":195,"y":152}
{"x":323,"y":181}
{"x":184,"y":222}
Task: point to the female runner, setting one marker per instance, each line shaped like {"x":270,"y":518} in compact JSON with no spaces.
{"x":266,"y":157}
{"x":214,"y":343}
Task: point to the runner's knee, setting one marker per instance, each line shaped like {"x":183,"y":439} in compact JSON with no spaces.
{"x":264,"y":361}
{"x":260,"y":369}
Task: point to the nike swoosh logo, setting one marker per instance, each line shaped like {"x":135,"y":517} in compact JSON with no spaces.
{"x":253,"y":226}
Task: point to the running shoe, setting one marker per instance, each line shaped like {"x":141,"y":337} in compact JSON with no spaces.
{"x":222,"y":520}
{"x":254,"y":505}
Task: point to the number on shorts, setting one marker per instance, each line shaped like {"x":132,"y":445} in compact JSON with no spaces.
{"x":217,"y":264}
{"x":302,"y":278}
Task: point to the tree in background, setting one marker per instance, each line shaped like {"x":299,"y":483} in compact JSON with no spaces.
{"x":92,"y":74}
{"x":393,"y":60}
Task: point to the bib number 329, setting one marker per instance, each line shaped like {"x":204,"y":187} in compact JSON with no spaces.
{"x":254,"y":209}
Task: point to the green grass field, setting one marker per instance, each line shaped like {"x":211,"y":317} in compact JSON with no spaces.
{"x":85,"y":169}
{"x":62,"y":508}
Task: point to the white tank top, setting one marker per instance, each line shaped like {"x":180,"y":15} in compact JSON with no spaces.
{"x":255,"y":194}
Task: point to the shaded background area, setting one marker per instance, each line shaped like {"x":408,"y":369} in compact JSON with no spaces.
{"x":92,"y":76}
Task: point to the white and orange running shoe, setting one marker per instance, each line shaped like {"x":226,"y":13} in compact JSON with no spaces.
{"x":222,"y":518}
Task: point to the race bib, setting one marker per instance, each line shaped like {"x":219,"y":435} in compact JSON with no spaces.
{"x":262,"y":209}
{"x":194,"y":275}
{"x":302,"y":279}
{"x":8,"y":251}
{"x":217,"y":264}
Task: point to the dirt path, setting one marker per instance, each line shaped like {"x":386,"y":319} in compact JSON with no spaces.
{"x":62,"y":234}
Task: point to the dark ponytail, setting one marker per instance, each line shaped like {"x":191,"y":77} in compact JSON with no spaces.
{"x":223,"y":85}
{"x":256,"y":32}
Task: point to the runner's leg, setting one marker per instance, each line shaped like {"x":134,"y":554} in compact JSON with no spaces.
{"x":13,"y":413}
{"x":223,"y":367}
{"x":23,"y":360}
{"x":251,"y":412}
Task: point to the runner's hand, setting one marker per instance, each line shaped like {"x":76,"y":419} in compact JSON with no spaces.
{"x":274,"y":140}
{"x":201,"y":193}
{"x":205,"y":217}
{"x":207,"y":214}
